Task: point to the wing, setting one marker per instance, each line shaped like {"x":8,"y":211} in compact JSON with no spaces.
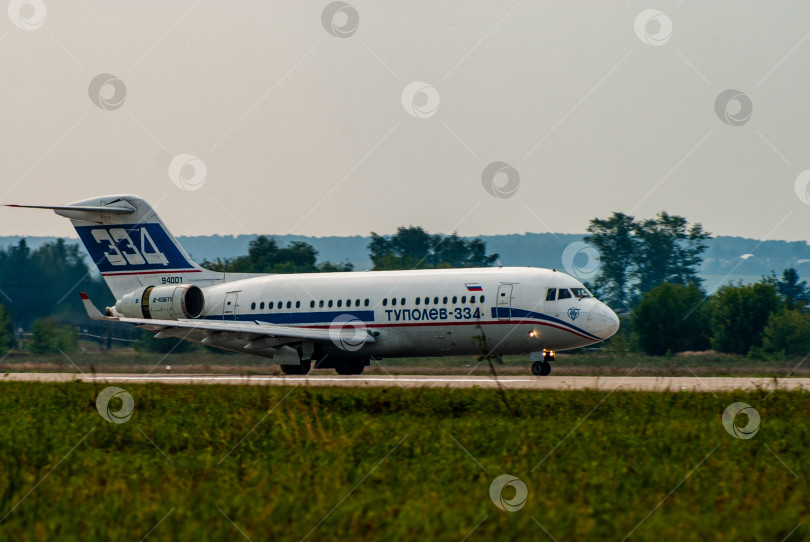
{"x":212,"y":331}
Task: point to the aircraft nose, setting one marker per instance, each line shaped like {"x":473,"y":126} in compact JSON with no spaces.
{"x":603,"y":322}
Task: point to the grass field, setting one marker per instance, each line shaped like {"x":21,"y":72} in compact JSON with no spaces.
{"x":238,"y":463}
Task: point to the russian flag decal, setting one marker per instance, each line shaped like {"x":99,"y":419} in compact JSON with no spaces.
{"x":473,"y":287}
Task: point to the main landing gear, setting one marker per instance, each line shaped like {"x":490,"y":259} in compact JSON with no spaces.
{"x":297,"y":369}
{"x":543,"y":368}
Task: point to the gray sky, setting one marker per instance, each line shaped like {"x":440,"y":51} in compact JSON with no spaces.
{"x":304,"y":132}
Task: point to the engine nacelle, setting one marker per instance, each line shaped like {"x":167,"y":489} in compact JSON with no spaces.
{"x":162,"y":302}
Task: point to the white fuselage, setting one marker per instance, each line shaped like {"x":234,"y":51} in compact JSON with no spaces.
{"x":424,"y":312}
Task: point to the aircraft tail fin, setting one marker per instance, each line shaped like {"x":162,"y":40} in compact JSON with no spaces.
{"x":131,"y":246}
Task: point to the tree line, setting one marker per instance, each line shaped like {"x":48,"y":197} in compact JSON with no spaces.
{"x":768,"y":318}
{"x":648,"y":271}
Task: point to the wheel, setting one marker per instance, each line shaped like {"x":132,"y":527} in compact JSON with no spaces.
{"x":350,"y":368}
{"x":541,"y":368}
{"x":297,"y":369}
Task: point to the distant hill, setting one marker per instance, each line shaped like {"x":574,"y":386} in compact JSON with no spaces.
{"x":727,"y":258}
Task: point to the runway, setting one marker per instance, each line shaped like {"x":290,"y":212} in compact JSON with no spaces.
{"x":607,"y":383}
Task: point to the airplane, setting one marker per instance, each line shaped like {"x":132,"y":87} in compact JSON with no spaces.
{"x":339,"y":321}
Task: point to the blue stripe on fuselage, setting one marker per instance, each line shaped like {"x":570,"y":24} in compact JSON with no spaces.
{"x":505,"y":312}
{"x":301,"y":317}
{"x":367,"y":316}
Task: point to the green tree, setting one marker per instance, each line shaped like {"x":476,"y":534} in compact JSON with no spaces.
{"x":668,"y":251}
{"x":47,"y":281}
{"x":794,"y":291}
{"x":613,"y":238}
{"x":739,"y":315}
{"x":265,"y":256}
{"x":331,"y":267}
{"x":788,"y":332}
{"x":6,"y":331}
{"x":636,"y":256}
{"x":415,"y":248}
{"x":672,"y":317}
{"x":48,"y":337}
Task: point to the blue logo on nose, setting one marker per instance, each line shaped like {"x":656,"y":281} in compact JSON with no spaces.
{"x":573,"y":312}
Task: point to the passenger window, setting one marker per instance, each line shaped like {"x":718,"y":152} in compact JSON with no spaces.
{"x":551,"y":295}
{"x":261,"y":305}
{"x":482,"y":299}
{"x":394,"y":301}
{"x":472,"y":299}
{"x":348,"y":302}
{"x":330,"y":303}
{"x":270,"y":305}
{"x":427,"y":301}
{"x":418,"y":300}
{"x":403,"y":301}
{"x":366,"y":303}
{"x":455,"y":299}
{"x":563,"y":294}
{"x":464,"y":299}
{"x":253,"y":306}
{"x":435,"y":300}
{"x":320,"y":303}
{"x":444,"y":300}
{"x":385,"y":302}
{"x":297,"y":304}
{"x":311,"y":304}
{"x":340,"y":303}
{"x":289,"y":304}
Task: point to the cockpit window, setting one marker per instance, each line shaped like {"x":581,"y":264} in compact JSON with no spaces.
{"x":563,"y":294}
{"x":581,"y":292}
{"x":551,"y":295}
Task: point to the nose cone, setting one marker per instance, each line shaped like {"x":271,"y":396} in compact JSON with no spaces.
{"x":603,"y":322}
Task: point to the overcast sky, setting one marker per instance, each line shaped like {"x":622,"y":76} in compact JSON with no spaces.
{"x":339,"y":119}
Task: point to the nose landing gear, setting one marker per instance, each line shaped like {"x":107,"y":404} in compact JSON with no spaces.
{"x":543,"y":368}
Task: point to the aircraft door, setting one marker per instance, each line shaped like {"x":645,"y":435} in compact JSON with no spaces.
{"x":229,"y":306}
{"x":504,"y":302}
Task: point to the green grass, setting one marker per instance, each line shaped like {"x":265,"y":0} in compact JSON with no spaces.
{"x":382,"y":464}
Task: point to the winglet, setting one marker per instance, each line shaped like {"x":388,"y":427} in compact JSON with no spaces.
{"x":92,"y":312}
